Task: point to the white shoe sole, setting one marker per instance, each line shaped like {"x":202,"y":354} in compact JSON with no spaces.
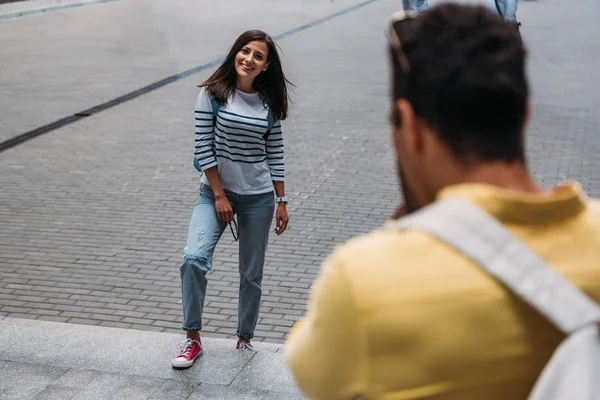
{"x":185,"y":364}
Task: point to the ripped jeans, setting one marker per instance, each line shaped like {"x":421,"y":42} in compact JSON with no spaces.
{"x":254,"y":215}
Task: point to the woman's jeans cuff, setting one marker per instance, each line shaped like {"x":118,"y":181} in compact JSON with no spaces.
{"x":185,"y":328}
{"x":245,"y":337}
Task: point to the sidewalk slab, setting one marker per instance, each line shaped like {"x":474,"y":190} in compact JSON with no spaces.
{"x":82,"y":362}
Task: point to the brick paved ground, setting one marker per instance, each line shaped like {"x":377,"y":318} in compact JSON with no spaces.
{"x":94,"y":215}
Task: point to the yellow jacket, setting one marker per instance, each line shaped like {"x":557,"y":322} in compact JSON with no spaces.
{"x":399,"y":315}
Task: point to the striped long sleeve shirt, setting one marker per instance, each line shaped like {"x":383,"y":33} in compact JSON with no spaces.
{"x":247,"y":163}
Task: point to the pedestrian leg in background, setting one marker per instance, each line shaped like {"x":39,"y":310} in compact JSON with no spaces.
{"x":510,"y":13}
{"x":506,"y":8}
{"x":416,"y":6}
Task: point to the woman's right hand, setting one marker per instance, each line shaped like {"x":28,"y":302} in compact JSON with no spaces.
{"x":224,"y":210}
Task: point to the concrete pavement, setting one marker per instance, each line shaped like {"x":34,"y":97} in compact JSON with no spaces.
{"x":53,"y":360}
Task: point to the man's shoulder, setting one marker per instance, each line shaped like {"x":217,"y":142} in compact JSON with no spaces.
{"x":397,"y":267}
{"x":386,"y":246}
{"x":380,"y":239}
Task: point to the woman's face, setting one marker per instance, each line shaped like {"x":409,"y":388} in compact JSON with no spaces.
{"x":251,"y":60}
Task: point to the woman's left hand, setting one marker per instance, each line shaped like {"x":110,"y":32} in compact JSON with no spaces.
{"x":281,"y":219}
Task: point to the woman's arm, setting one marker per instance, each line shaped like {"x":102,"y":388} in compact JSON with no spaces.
{"x":276,"y":158}
{"x":224,"y":209}
{"x":203,"y":151}
{"x":281,"y":216}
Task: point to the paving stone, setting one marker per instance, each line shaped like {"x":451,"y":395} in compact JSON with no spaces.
{"x":56,"y":393}
{"x":274,"y":378}
{"x":85,"y":321}
{"x":139,"y":388}
{"x":20,"y":380}
{"x":216,"y":392}
{"x":174,"y":390}
{"x":104,"y":386}
{"x":76,"y":379}
{"x":22,"y":315}
{"x":53,"y":318}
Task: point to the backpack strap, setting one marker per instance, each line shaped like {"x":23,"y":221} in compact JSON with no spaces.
{"x":270,"y":123}
{"x":216,"y":106}
{"x":481,"y":238}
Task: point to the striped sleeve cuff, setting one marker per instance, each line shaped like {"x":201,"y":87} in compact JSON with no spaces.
{"x":206,"y":162}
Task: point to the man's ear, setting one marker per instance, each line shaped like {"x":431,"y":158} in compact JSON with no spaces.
{"x":411,"y":127}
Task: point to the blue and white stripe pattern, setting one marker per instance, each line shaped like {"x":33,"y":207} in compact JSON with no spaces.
{"x":203,"y":149}
{"x":235,"y":143}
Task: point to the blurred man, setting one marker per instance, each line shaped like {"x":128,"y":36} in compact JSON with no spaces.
{"x":397,"y":314}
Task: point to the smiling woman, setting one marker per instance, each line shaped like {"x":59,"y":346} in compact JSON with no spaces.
{"x":239,"y":148}
{"x":254,"y":49}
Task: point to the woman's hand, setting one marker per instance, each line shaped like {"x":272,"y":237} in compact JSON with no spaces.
{"x":222,"y":205}
{"x":224,"y":210}
{"x":281,"y":219}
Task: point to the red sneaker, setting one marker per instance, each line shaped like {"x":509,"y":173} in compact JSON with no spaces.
{"x":189,"y":350}
{"x":245,"y":346}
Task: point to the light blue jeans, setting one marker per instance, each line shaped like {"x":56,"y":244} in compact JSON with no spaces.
{"x":254,"y":215}
{"x":507,"y":7}
{"x":417,"y":6}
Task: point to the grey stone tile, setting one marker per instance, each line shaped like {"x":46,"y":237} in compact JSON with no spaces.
{"x":56,"y":393}
{"x":266,"y":371}
{"x":25,"y":393}
{"x":25,"y":380}
{"x":218,"y":392}
{"x":76,"y":379}
{"x":139,"y":388}
{"x":174,"y":390}
{"x":104,"y":386}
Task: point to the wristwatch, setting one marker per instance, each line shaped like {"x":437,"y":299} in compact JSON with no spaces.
{"x":283,"y":199}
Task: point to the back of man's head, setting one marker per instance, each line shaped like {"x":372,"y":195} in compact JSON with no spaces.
{"x":467,"y":82}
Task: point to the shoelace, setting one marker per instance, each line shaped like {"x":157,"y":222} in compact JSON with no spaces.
{"x":186,"y":347}
{"x":246,"y":346}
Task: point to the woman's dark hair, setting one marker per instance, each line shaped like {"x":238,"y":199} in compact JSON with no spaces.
{"x":467,"y":81}
{"x":270,"y":84}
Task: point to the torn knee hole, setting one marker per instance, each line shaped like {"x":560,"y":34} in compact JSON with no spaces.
{"x":197,"y":260}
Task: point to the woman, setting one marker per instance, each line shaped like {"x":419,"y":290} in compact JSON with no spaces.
{"x":239,"y":149}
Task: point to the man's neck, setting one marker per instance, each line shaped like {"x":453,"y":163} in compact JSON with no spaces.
{"x":513,"y":176}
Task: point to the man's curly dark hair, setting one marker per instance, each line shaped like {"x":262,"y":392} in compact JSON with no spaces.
{"x":467,"y":81}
